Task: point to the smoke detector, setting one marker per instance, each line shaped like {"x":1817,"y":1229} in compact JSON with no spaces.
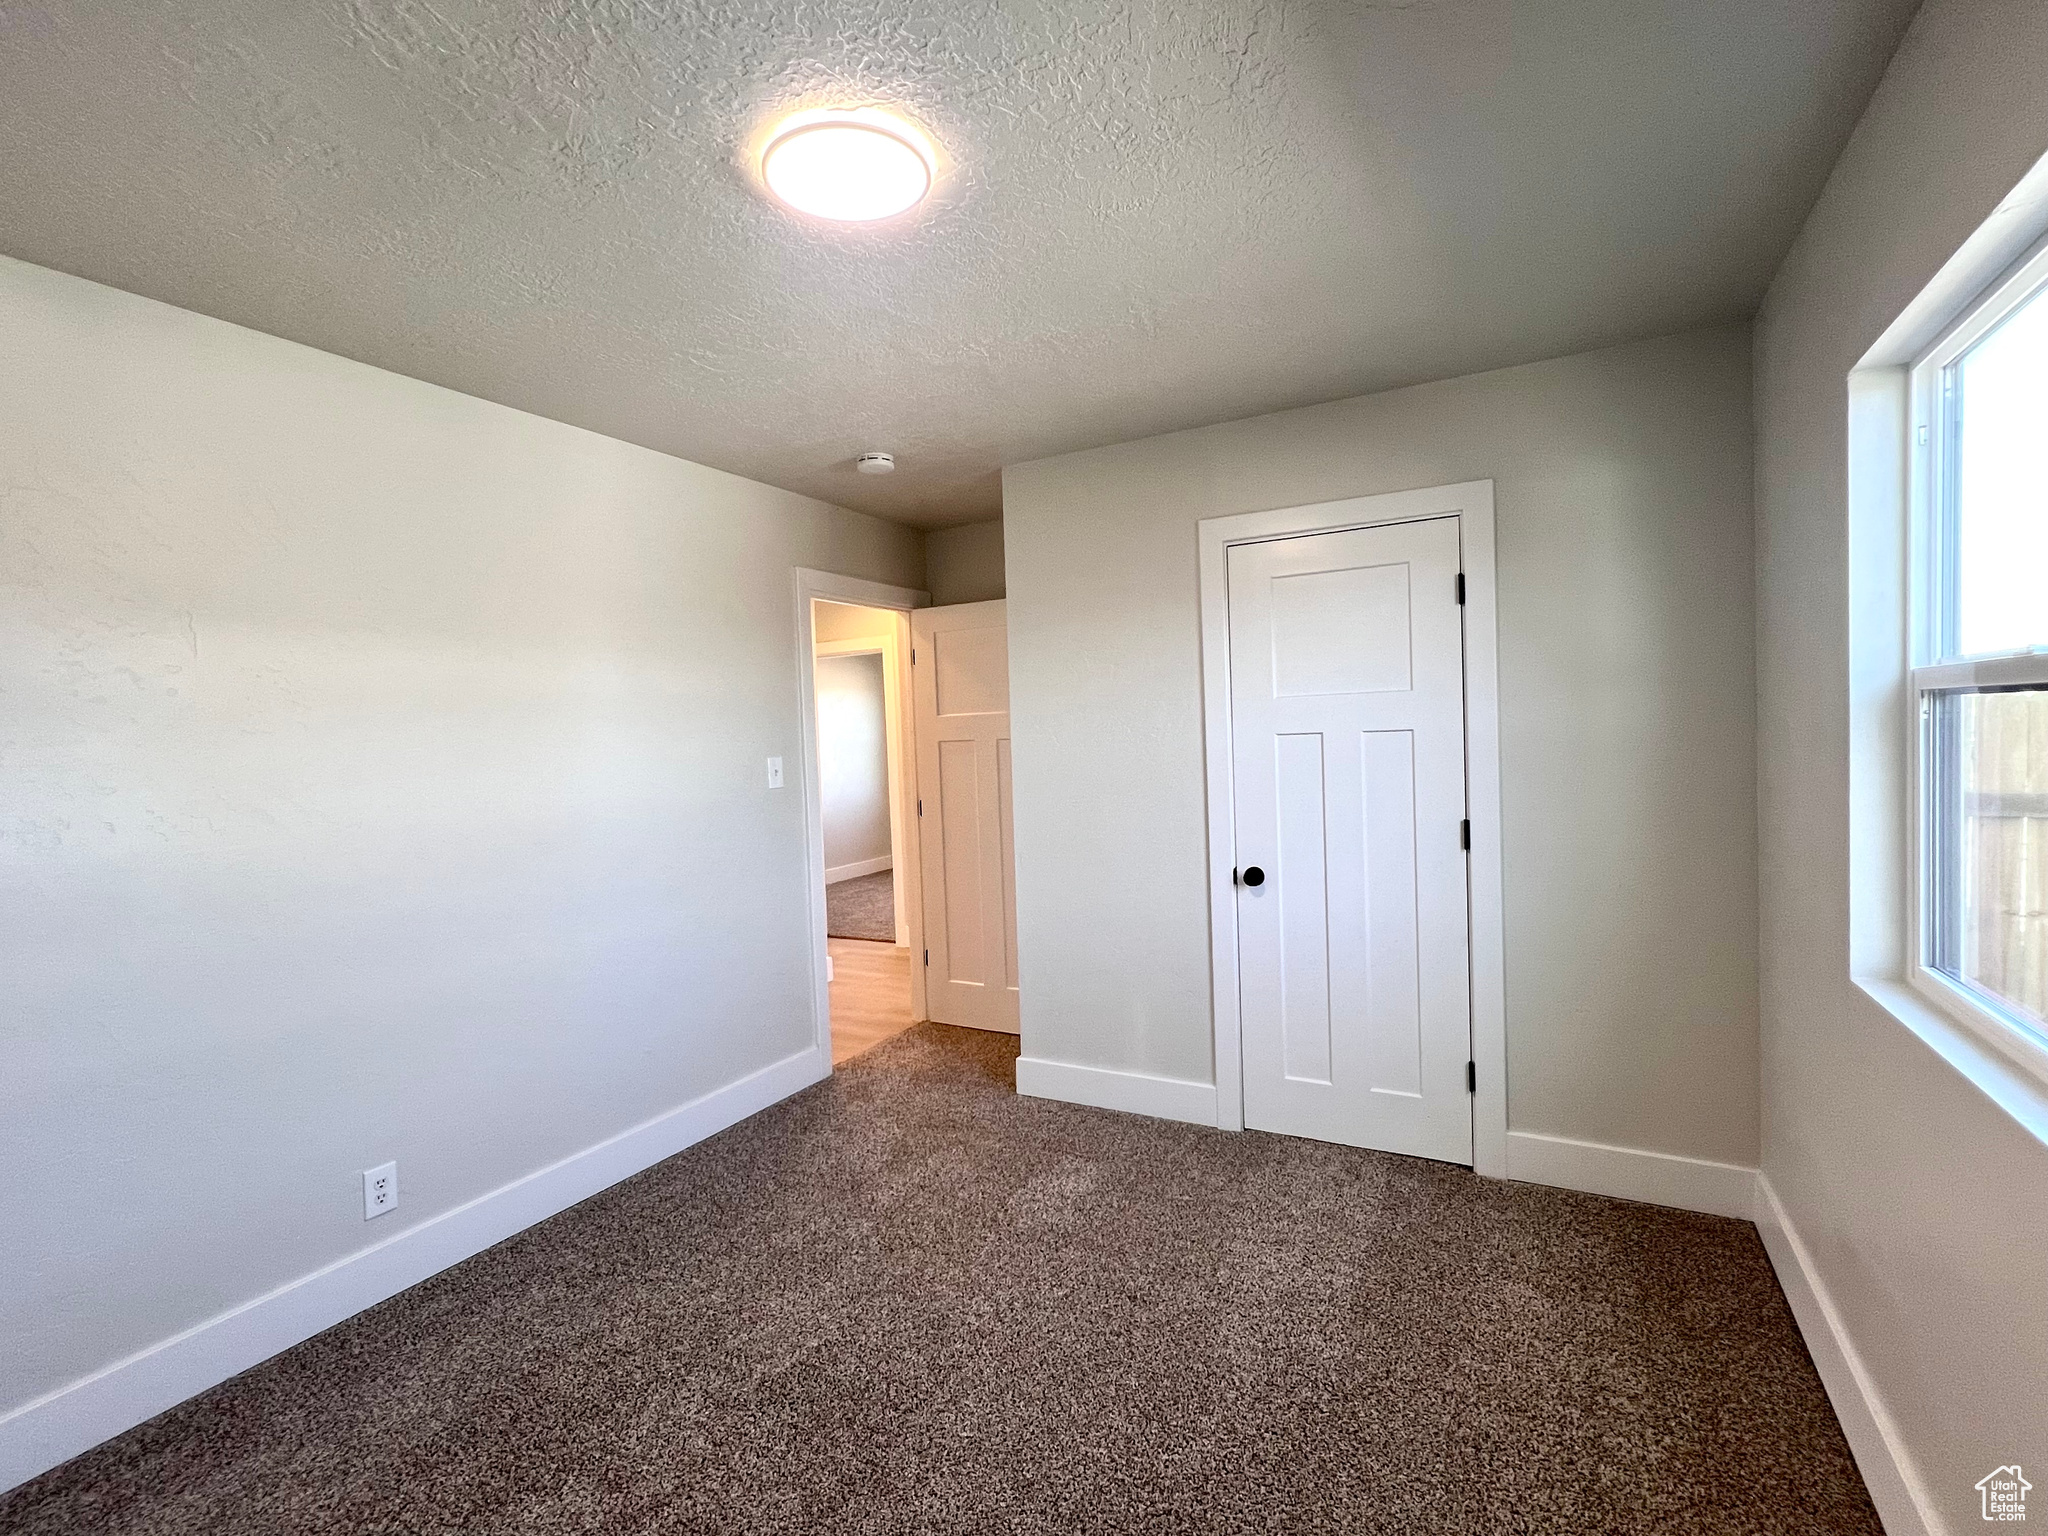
{"x":875,"y":463}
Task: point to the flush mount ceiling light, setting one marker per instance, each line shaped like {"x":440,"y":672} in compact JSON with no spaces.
{"x":850,"y":166}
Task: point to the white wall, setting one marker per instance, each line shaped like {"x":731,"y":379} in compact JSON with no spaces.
{"x":1627,"y":728}
{"x":850,"y":621}
{"x":1920,"y":1200}
{"x":853,"y":763}
{"x":965,"y":564}
{"x":384,"y":778}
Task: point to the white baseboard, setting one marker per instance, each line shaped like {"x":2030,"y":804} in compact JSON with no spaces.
{"x":1629,"y":1173}
{"x":834,"y":873}
{"x":54,"y":1428}
{"x":1895,"y":1487}
{"x":1137,"y":1093}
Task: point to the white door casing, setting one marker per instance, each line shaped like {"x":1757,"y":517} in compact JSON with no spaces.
{"x":960,"y":678}
{"x":1348,"y":766}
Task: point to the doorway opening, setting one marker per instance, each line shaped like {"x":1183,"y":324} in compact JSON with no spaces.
{"x":907,"y":807}
{"x":864,"y":777}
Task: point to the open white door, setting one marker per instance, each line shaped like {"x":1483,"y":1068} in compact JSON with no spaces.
{"x":1348,"y":782}
{"x":960,"y":678}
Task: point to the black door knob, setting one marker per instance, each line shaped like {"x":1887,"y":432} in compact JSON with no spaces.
{"x":1254,"y":876}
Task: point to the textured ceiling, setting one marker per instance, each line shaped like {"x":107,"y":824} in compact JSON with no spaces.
{"x":1150,"y":216}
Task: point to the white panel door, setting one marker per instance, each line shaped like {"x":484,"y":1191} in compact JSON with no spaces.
{"x":1348,"y":747}
{"x":960,"y":675}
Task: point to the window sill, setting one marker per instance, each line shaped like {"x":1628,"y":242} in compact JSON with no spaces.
{"x":2015,"y":1085}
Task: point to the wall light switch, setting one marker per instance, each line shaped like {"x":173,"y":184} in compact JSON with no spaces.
{"x":775,"y":773}
{"x":380,"y":1191}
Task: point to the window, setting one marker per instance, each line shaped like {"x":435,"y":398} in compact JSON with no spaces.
{"x":1981,"y":662}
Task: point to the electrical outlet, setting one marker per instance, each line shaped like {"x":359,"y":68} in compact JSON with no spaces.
{"x":380,"y":1191}
{"x":775,"y":773}
{"x":828,"y":967}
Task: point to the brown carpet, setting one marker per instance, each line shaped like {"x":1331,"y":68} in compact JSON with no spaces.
{"x":862,"y":908}
{"x":907,"y":1300}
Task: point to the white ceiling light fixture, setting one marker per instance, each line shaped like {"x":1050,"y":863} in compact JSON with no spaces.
{"x":852,"y":166}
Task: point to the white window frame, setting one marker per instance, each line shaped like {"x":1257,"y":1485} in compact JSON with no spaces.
{"x":1930,"y":590}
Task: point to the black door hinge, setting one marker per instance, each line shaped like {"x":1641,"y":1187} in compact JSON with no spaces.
{"x":920,"y":805}
{"x":1465,"y":835}
{"x":1461,"y":587}
{"x":1471,"y":1077}
{"x":927,"y":957}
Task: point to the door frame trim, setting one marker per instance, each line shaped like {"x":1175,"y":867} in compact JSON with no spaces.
{"x":834,"y":588}
{"x":1471,"y":502}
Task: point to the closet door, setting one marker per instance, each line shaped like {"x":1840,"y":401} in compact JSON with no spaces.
{"x":1348,"y":732}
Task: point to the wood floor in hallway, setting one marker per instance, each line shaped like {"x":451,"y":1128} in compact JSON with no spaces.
{"x":870,"y":995}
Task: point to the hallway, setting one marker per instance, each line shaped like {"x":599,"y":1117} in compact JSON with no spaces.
{"x":870,"y":995}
